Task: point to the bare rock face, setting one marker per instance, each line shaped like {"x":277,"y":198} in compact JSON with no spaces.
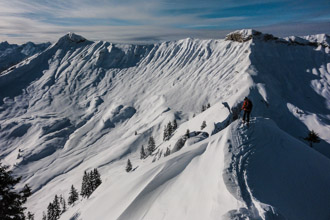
{"x":249,"y":34}
{"x":242,"y":35}
{"x":245,"y":35}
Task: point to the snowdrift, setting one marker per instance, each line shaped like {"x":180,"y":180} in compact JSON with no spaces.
{"x":235,"y":174}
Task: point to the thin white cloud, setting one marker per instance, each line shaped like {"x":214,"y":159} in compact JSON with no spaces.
{"x":112,"y":20}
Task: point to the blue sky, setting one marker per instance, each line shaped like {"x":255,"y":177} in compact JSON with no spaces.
{"x":143,"y":21}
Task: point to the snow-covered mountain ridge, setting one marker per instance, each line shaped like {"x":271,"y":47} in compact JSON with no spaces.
{"x":11,"y":54}
{"x":77,"y":105}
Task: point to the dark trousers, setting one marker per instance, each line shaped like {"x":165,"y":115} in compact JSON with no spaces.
{"x":247,"y":115}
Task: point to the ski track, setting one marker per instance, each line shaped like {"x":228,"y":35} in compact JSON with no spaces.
{"x":241,"y":149}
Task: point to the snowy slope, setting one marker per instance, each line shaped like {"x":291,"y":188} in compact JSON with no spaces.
{"x":77,"y":105}
{"x":262,"y":179}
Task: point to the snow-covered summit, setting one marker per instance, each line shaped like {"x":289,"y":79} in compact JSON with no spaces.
{"x":71,"y":38}
{"x":249,"y":34}
{"x":242,"y":35}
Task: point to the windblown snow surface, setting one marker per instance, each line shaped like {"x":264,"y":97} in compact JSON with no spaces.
{"x":77,"y":105}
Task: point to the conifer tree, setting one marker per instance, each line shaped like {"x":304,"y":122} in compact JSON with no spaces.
{"x":92,"y":183}
{"x":26,"y":192}
{"x":97,"y":178}
{"x":175,"y":125}
{"x":203,"y":125}
{"x":44,"y":216}
{"x":128,"y":166}
{"x":167,"y":152}
{"x":142,"y":153}
{"x":56,"y":207}
{"x":151,"y":145}
{"x":180,"y":143}
{"x":63,"y":204}
{"x":30,"y":216}
{"x":203,"y":108}
{"x":165,"y":134}
{"x":312,"y":137}
{"x":187,"y":135}
{"x":50,"y":212}
{"x":208,"y":105}
{"x":74,"y":196}
{"x":11,"y":202}
{"x":85,"y":185}
{"x":168,"y":131}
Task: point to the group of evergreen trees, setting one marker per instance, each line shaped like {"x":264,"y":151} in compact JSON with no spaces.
{"x":169,"y":129}
{"x":11,"y":202}
{"x":144,"y":153}
{"x":204,"y":107}
{"x":90,"y":182}
{"x":56,"y":208}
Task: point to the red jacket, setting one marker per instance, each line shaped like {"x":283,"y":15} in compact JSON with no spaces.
{"x":247,"y":105}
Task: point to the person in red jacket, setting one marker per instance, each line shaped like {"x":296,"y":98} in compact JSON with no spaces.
{"x":247,"y":107}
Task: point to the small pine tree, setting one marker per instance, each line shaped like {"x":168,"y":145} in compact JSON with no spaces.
{"x":44,"y":216}
{"x":142,"y":153}
{"x":187,"y":135}
{"x":50,"y":212}
{"x":203,"y":108}
{"x":208,"y":105}
{"x":26,"y":191}
{"x":85,"y":185}
{"x":175,"y":125}
{"x":168,"y":131}
{"x":168,"y":152}
{"x":165,"y":134}
{"x":92,"y":183}
{"x":203,"y":125}
{"x":74,"y":196}
{"x":63,"y":204}
{"x":135,"y":133}
{"x":56,"y":207}
{"x":128,"y":166}
{"x":30,"y":216}
{"x":312,"y":137}
{"x":151,"y":145}
{"x":180,"y":143}
{"x":194,"y":115}
{"x":97,"y":178}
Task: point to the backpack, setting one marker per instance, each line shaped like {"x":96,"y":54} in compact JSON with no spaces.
{"x":249,"y":105}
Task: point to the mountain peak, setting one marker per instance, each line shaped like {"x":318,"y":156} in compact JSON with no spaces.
{"x":248,"y":34}
{"x":242,"y":35}
{"x":71,"y":38}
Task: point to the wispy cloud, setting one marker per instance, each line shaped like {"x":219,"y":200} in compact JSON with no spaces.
{"x":146,"y":20}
